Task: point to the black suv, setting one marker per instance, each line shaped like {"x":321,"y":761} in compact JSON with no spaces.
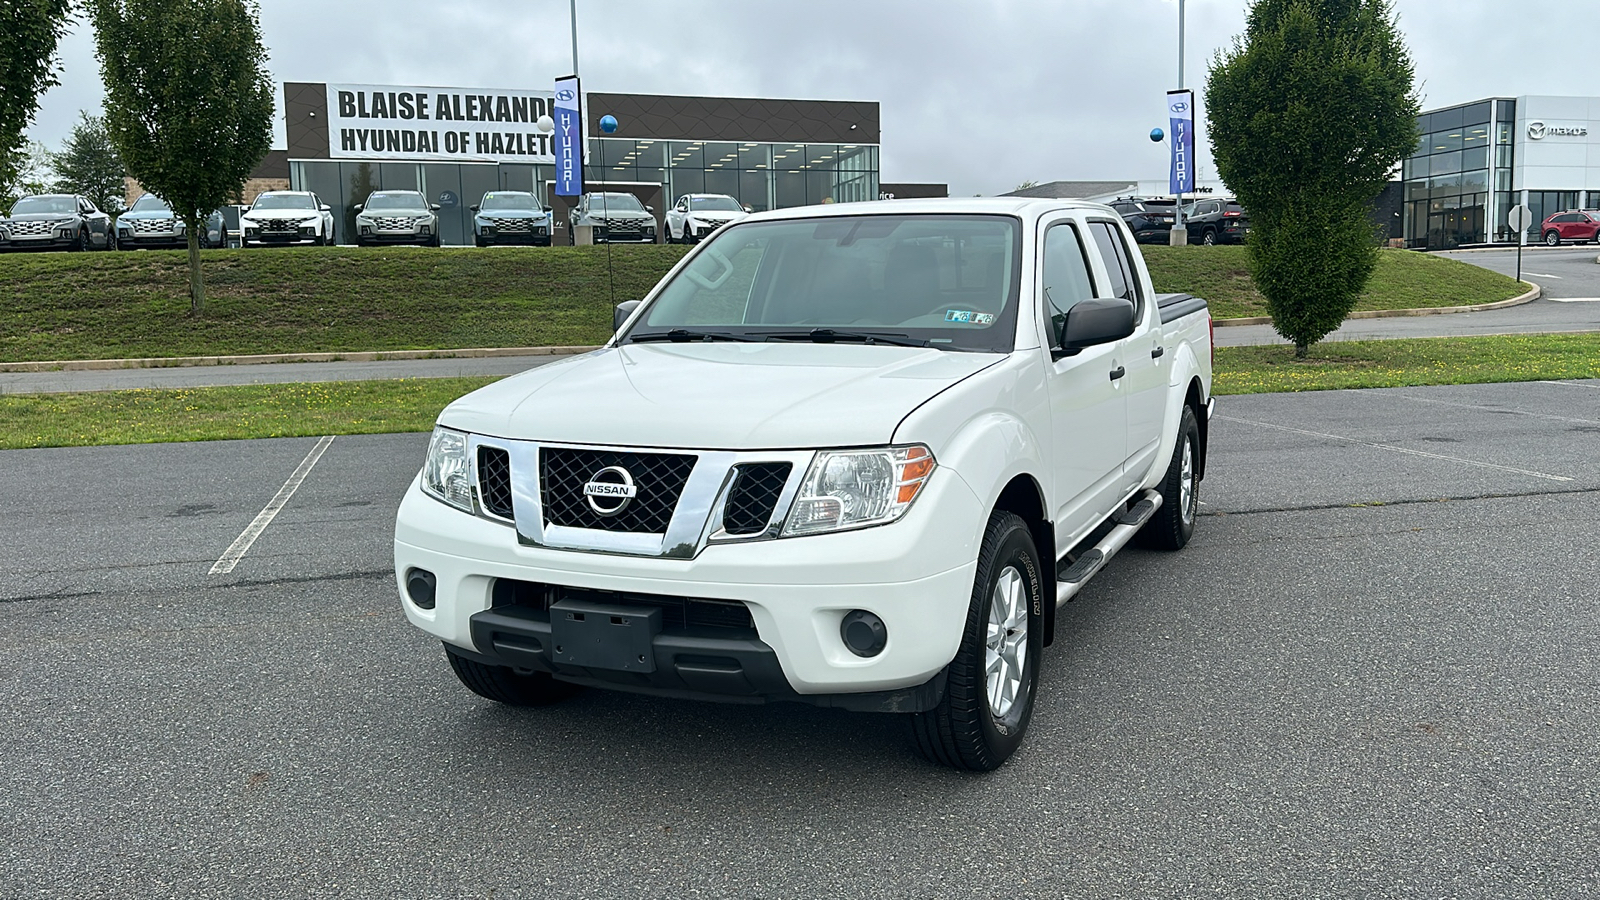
{"x":1216,"y":222}
{"x":1150,"y":218}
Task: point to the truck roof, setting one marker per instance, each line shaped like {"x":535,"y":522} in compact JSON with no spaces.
{"x":1016,"y":206}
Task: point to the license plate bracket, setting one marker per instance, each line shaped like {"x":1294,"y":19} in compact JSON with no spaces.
{"x":604,"y":635}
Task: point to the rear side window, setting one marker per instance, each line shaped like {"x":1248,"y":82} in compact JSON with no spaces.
{"x":1118,"y":267}
{"x":1065,"y":275}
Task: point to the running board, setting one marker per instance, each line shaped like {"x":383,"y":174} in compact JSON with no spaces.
{"x":1070,"y":581}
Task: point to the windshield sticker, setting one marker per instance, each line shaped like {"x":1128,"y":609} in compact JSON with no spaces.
{"x":968,"y":317}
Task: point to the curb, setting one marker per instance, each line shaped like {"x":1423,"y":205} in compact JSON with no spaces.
{"x":1533,"y":294}
{"x":83,"y":365}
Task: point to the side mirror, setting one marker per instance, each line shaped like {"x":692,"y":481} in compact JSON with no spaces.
{"x":749,"y":209}
{"x":546,"y":209}
{"x":325,"y":208}
{"x":357,"y":207}
{"x":1092,"y":322}
{"x":621,"y":314}
{"x":473,"y":207}
{"x":434,"y":206}
{"x":650,"y":208}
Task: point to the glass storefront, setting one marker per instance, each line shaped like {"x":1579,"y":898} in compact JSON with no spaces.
{"x":759,"y":175}
{"x":1448,"y":178}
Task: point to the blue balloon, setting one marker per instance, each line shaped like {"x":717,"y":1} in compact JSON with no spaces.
{"x":608,"y":124}
{"x":1156,"y":135}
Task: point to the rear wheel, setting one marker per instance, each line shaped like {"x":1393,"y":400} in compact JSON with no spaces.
{"x":1173,"y":524}
{"x":503,"y":684}
{"x":1552,"y":238}
{"x":991,"y":683}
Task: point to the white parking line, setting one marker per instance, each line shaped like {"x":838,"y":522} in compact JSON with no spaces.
{"x":1538,"y":275}
{"x":1575,"y":299}
{"x":1592,"y":387}
{"x":1502,"y":409}
{"x":1390,"y":447}
{"x":241,"y":544}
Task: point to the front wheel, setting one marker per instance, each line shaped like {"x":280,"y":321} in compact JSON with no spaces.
{"x":503,"y":684}
{"x":1173,"y":524}
{"x":1209,"y":238}
{"x":1552,"y":238}
{"x":991,"y":683}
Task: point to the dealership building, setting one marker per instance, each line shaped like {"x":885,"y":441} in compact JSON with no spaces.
{"x":1476,"y":161}
{"x":454,"y":144}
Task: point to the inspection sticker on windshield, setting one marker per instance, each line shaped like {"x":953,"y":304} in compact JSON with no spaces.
{"x":969,"y":317}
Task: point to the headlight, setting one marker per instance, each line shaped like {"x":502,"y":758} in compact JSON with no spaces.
{"x":446,"y":475}
{"x":856,"y":488}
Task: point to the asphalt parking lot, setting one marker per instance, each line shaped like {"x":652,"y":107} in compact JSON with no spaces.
{"x":1373,"y":673}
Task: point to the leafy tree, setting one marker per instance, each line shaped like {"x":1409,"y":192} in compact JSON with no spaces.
{"x":1309,"y":113}
{"x":188,"y":101}
{"x":29,"y":173}
{"x":29,"y":30}
{"x":90,"y":165}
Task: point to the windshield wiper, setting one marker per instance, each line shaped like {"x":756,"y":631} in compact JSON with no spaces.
{"x":684,"y":335}
{"x":829,"y":336}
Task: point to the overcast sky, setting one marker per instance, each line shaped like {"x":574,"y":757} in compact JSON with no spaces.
{"x":981,"y":94}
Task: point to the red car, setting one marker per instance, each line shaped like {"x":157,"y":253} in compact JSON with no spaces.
{"x":1572,"y":225}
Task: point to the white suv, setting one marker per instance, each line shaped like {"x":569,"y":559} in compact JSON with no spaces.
{"x":286,"y":217}
{"x":696,"y":215}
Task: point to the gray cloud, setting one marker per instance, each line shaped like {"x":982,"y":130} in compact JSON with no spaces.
{"x":978,"y":93}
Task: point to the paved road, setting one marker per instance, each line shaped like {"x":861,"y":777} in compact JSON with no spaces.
{"x":271,"y":373}
{"x":1566,"y":276}
{"x":1371,"y":674}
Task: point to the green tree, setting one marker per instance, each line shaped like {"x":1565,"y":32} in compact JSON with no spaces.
{"x":1309,"y":112}
{"x":29,"y":173}
{"x":188,"y":101}
{"x":89,"y":165}
{"x":29,"y":30}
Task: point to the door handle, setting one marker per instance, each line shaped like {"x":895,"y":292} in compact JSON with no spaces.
{"x":1118,"y":372}
{"x":1157,"y":352}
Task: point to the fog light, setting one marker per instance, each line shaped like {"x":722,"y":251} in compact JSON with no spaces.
{"x":863,"y":633}
{"x":420,"y":587}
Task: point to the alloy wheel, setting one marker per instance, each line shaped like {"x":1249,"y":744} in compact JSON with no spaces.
{"x":1006,"y":641}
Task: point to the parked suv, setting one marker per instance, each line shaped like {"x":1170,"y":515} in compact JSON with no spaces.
{"x":1216,"y":222}
{"x":56,"y":221}
{"x":397,"y":217}
{"x":510,"y":217}
{"x":1571,"y":225}
{"x":696,"y":215}
{"x":286,"y":217}
{"x":1150,"y":219}
{"x":616,"y":217}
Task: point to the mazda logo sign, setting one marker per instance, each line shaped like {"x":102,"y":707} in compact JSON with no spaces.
{"x":610,"y":490}
{"x":1536,"y":130}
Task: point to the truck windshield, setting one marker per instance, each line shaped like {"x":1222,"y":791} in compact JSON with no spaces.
{"x":150,"y":203}
{"x":397,"y":200}
{"x":945,"y":281}
{"x":508,"y":200}
{"x":283,"y":201}
{"x":33,"y":206}
{"x":715,"y":204}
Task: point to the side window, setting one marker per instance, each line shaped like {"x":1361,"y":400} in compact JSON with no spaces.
{"x":1119,"y":268}
{"x":1065,"y":274}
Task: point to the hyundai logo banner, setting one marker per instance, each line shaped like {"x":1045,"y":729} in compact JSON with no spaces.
{"x":1180,"y":112}
{"x":568,"y":137}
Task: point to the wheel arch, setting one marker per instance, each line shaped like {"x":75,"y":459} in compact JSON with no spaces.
{"x":1023,"y":497}
{"x":1194,"y":398}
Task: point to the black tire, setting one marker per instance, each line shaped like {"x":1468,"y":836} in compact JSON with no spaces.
{"x":435,"y":240}
{"x":477,"y":240}
{"x":964,"y":731}
{"x":503,"y":684}
{"x":81,"y":245}
{"x":1552,"y":238}
{"x":1209,"y":237}
{"x":1173,"y":524}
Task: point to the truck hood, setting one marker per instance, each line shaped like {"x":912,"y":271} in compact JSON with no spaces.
{"x":722,"y":396}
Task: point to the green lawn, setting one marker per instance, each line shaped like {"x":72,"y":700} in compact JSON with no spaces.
{"x":119,"y":305}
{"x":116,"y":305}
{"x":1404,"y":280}
{"x":369,"y":407}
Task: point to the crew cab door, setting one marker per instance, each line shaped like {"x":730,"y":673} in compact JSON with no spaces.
{"x":1143,"y":358}
{"x":1088,"y":415}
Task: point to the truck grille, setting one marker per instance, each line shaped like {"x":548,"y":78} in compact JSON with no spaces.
{"x":494,"y":482}
{"x":658,"y":477}
{"x":396,"y":223}
{"x":280,"y":226}
{"x":510,"y":225}
{"x":152,"y":226}
{"x":32,"y":227}
{"x":753,"y":497}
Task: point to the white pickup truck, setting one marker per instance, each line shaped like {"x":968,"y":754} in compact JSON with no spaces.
{"x":852,"y":455}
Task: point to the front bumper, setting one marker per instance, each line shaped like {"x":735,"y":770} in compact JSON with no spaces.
{"x":916,"y":574}
{"x":538,"y":235}
{"x":41,"y":242}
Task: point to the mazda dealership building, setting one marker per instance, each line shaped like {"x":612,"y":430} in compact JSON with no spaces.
{"x":454,"y":144}
{"x":1476,"y":161}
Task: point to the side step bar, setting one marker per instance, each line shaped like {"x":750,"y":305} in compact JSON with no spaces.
{"x":1070,"y":581}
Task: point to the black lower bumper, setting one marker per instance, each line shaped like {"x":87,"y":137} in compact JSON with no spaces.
{"x":695,"y":663}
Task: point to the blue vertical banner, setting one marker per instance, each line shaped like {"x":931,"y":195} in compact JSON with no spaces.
{"x":1180,"y":113}
{"x":568,"y":137}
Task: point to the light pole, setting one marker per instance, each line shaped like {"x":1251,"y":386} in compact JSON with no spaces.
{"x":574,"y":17}
{"x":1180,"y":234}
